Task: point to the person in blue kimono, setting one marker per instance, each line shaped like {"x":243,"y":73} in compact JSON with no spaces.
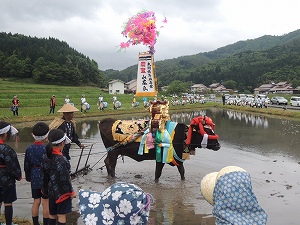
{"x":32,"y":167}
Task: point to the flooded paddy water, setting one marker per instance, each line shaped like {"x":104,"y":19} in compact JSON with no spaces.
{"x":268,"y":148}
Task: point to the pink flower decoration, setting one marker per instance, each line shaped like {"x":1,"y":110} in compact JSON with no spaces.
{"x":141,"y":29}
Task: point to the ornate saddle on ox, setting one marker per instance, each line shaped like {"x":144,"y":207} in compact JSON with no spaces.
{"x":129,"y":130}
{"x":156,"y":134}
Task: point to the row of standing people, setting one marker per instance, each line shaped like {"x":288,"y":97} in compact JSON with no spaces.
{"x":46,"y":167}
{"x":84,"y":104}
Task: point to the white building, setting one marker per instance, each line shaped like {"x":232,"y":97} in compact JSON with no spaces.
{"x":130,"y":86}
{"x":116,"y":87}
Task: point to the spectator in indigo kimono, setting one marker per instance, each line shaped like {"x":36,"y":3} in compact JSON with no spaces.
{"x":52,"y":104}
{"x":230,"y":193}
{"x":67,"y":125}
{"x":121,"y":203}
{"x":32,"y":167}
{"x":56,"y":178}
{"x":15,"y":105}
{"x":10,"y":171}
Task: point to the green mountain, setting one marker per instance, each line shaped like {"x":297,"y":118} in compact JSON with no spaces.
{"x":246,"y":63}
{"x":46,"y":60}
{"x":243,"y":65}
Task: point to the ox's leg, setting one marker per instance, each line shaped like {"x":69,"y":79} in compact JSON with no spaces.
{"x":110,"y":163}
{"x":181,"y":171}
{"x":158,"y":170}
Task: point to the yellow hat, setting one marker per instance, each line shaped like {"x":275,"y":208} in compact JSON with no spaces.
{"x":68,"y":108}
{"x":209,"y":181}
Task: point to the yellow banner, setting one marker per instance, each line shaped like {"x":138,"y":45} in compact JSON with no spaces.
{"x":146,"y":81}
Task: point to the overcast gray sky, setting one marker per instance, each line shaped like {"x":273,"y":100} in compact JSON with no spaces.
{"x":93,"y":27}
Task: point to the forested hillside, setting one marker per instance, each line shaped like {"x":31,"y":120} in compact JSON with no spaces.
{"x":245,"y":64}
{"x":46,"y":60}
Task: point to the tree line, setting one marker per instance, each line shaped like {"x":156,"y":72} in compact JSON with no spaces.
{"x":47,"y":61}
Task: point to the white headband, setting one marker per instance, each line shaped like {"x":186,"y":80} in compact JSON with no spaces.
{"x":12,"y":129}
{"x":40,"y":138}
{"x":64,"y":138}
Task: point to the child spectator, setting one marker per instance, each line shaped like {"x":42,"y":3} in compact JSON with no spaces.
{"x":10,"y":171}
{"x":32,"y":167}
{"x":56,"y":178}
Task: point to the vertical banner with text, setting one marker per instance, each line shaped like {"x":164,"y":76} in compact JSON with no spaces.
{"x":146,"y":81}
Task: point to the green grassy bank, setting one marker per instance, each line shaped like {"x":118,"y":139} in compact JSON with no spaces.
{"x":35,"y":99}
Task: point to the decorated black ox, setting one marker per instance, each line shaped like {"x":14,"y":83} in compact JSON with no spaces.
{"x":131,"y":138}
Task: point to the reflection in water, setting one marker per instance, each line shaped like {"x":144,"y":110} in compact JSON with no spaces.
{"x":248,"y":131}
{"x":85,"y":127}
{"x":253,"y":119}
{"x":186,"y":117}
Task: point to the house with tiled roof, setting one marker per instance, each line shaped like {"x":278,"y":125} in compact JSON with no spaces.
{"x":264,"y":88}
{"x":272,"y":88}
{"x":220,"y":89}
{"x":282,"y":87}
{"x":214,"y":85}
{"x":198,"y":88}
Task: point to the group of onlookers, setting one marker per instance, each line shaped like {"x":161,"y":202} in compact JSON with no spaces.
{"x":46,"y":167}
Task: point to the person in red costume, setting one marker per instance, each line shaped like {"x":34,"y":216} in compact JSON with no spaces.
{"x":15,"y":105}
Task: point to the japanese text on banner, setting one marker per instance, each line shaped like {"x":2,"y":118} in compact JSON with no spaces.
{"x":145,"y":76}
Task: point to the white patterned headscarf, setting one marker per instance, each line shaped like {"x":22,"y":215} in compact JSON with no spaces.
{"x":235,"y":202}
{"x":122,"y":203}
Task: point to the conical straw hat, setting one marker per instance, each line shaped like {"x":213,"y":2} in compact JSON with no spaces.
{"x":68,"y":108}
{"x":207,"y":186}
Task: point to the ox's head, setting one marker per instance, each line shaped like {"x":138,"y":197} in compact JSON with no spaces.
{"x":202,"y":135}
{"x":212,"y":142}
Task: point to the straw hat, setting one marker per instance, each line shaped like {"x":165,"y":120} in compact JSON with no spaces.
{"x":209,"y":181}
{"x":68,"y":108}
